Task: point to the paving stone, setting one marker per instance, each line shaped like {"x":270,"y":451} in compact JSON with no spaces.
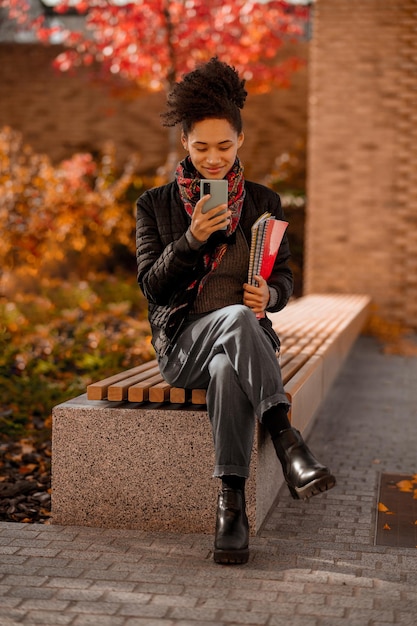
{"x":145,"y":621}
{"x":220,"y":602}
{"x":126,"y":596}
{"x":79,"y":594}
{"x":197,"y":614}
{"x":9,"y":601}
{"x":114,"y":585}
{"x":104,"y":574}
{"x":143,"y":610}
{"x":66,"y":572}
{"x":249,"y":618}
{"x":173,"y":601}
{"x":47,"y":618}
{"x":24,"y":581}
{"x":70,"y":583}
{"x":279,"y":620}
{"x":31,"y":592}
{"x":94,"y":620}
{"x":49,"y":604}
{"x":94,"y":608}
{"x":10,"y":617}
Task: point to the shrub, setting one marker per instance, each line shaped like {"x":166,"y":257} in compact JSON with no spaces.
{"x":63,"y":323}
{"x":57,"y":339}
{"x":66,"y":217}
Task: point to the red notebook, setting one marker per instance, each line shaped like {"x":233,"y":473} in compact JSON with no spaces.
{"x":274,"y":232}
{"x":267,"y":234}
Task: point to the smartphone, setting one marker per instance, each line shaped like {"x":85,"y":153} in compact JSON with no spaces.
{"x":218,"y":189}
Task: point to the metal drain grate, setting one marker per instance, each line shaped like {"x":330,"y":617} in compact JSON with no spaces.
{"x":397,"y":511}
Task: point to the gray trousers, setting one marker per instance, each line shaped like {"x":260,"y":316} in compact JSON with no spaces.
{"x":228,"y":354}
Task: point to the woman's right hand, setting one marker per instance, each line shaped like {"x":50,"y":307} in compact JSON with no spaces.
{"x":204,"y":224}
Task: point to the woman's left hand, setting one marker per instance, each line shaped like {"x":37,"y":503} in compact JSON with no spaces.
{"x":256,"y":298}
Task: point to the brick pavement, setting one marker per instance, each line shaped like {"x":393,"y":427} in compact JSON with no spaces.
{"x":314,"y":565}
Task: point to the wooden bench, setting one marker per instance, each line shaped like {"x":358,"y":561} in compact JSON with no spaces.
{"x":135,"y":452}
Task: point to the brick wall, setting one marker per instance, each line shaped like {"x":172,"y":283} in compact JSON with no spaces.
{"x":362,"y":162}
{"x":63,"y":114}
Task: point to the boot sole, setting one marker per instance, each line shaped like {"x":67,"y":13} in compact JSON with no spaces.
{"x":231,"y":557}
{"x":312,"y":489}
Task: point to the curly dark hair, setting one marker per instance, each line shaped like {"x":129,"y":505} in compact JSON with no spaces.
{"x":213,"y":90}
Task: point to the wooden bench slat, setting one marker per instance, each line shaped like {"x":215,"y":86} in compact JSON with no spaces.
{"x":140,"y":391}
{"x":159,"y":392}
{"x":198,"y":396}
{"x":178,"y":395}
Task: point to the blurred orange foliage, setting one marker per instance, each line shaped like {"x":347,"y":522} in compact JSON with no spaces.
{"x":67,"y":216}
{"x":70,"y":306}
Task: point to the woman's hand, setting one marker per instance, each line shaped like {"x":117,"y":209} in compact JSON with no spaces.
{"x":256,"y":298}
{"x":204,"y":224}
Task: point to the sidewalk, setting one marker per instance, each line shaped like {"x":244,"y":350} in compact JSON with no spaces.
{"x":314,"y":565}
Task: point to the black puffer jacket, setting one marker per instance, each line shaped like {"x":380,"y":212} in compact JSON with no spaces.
{"x":167,"y":265}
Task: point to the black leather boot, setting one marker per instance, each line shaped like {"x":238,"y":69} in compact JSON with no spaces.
{"x":304,"y":475}
{"x":231,"y":543}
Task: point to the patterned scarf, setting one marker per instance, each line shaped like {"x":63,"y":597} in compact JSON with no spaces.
{"x":188,"y":180}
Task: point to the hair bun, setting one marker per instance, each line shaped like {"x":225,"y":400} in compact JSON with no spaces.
{"x":226,"y":81}
{"x":213,"y":89}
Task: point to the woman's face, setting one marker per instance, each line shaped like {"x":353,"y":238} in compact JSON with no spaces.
{"x":212,"y":145}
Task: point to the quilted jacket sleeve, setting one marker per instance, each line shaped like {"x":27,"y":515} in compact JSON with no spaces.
{"x":166,"y":263}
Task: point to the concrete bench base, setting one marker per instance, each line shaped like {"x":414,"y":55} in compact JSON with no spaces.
{"x":137,"y":467}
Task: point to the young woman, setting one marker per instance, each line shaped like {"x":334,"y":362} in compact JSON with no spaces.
{"x":192,"y":268}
